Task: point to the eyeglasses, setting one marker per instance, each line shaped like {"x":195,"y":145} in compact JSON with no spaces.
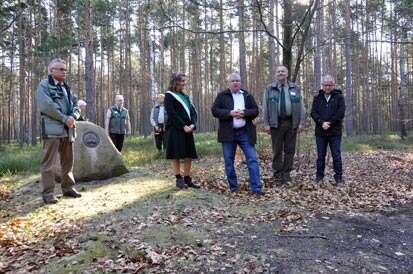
{"x":61,"y":69}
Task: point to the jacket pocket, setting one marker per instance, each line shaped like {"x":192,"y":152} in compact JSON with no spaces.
{"x":52,"y":127}
{"x":273,"y":99}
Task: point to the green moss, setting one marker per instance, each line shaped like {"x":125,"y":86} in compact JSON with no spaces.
{"x":162,"y":234}
{"x":79,"y":262}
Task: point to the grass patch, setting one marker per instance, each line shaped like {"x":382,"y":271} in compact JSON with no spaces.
{"x":15,"y":160}
{"x":141,"y":151}
{"x":162,"y":234}
{"x":389,"y":140}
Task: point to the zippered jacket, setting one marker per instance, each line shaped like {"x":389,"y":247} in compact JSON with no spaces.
{"x":270,"y":105}
{"x":332,"y":111}
{"x":55,"y":108}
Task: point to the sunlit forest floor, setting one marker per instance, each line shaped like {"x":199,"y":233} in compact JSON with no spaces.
{"x":140,"y":222}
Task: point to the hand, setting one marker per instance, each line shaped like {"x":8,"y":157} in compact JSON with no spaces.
{"x":70,"y":122}
{"x":326,"y":125}
{"x":237,"y":114}
{"x":267,"y":129}
{"x":300,"y":128}
{"x":156,"y":128}
{"x":188,"y":129}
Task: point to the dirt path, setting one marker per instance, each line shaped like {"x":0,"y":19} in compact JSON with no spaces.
{"x":380,"y":242}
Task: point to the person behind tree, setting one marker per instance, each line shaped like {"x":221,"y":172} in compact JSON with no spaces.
{"x":58,"y":113}
{"x":180,"y":125}
{"x":82,"y":108}
{"x":117,"y":123}
{"x":159,"y":117}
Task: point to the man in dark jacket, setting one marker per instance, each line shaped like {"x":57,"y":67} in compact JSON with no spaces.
{"x":328,"y":112}
{"x":236,"y":108}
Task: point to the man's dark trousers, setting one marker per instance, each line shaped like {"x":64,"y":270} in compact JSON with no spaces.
{"x":117,"y":140}
{"x":283,"y":142}
{"x":334,"y":142}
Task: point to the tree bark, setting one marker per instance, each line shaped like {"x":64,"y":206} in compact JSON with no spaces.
{"x":89,"y":71}
{"x":349,"y":95}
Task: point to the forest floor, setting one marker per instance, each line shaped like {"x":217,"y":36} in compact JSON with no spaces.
{"x":140,"y":222}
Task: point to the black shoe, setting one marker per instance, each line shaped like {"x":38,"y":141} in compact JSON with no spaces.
{"x":318,"y":179}
{"x":71,"y":193}
{"x":259,"y":192}
{"x":278,"y":182}
{"x":180,"y":183}
{"x":286,"y":179}
{"x":339,"y":181}
{"x":191,"y":184}
{"x":50,"y":199}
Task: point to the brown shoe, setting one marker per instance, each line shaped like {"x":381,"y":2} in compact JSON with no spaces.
{"x":50,"y":199}
{"x":71,"y":193}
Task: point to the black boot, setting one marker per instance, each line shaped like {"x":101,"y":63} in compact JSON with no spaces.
{"x":189,"y":183}
{"x":180,"y":182}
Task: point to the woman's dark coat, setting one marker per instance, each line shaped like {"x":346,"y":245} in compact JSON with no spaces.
{"x":180,"y":145}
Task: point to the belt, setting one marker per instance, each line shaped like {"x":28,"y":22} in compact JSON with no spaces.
{"x":240,"y":128}
{"x":286,"y":118}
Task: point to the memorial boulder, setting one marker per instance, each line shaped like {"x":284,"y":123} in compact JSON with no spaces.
{"x":95,"y":156}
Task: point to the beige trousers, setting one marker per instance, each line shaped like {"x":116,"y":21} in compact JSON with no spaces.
{"x":52,"y":148}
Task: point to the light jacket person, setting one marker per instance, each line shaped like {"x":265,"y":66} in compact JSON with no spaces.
{"x":117,"y":122}
{"x":58,"y":113}
{"x":55,"y":108}
{"x":159,"y":119}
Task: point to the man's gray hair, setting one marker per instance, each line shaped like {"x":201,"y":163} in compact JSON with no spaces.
{"x":328,"y":77}
{"x":54,"y":62}
{"x":284,"y":67}
{"x":81,"y":103}
{"x":236,"y":74}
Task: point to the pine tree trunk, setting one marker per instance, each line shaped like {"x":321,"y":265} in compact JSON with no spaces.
{"x":89,"y":71}
{"x":349,"y":95}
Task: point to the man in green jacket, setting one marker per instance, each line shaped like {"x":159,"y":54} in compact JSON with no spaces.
{"x":58,"y":112}
{"x":284,"y":116}
{"x":117,"y":122}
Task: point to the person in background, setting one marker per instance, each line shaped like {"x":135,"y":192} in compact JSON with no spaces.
{"x":328,"y":110}
{"x":236,"y":109}
{"x":180,"y":125}
{"x":158,"y":121}
{"x":58,"y":113}
{"x":284,"y":116}
{"x":117,"y":123}
{"x":82,"y":108}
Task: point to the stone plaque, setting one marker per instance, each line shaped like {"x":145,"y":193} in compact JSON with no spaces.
{"x":91,"y":139}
